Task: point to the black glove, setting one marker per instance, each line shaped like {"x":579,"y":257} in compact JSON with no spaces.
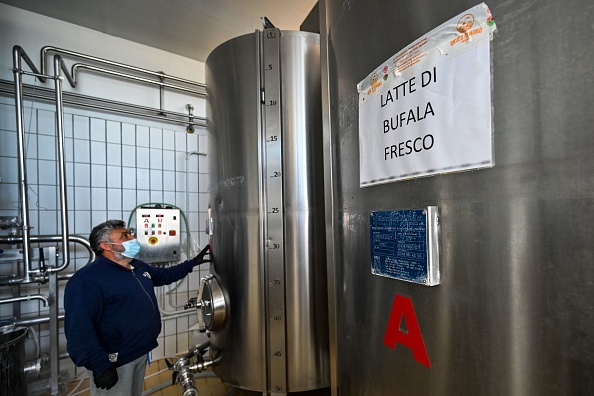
{"x":106,"y":379}
{"x":200,"y":258}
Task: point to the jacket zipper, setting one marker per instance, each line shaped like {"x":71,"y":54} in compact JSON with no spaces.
{"x":143,"y":289}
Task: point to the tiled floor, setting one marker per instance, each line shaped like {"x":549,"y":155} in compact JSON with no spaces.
{"x":207,"y":386}
{"x":157,"y":375}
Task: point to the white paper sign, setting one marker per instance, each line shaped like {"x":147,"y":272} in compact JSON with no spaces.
{"x":427,"y":110}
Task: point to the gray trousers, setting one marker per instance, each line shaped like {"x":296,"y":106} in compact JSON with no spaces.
{"x":130,"y":380}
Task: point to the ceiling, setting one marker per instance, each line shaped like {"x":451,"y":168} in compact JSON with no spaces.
{"x":190,"y":28}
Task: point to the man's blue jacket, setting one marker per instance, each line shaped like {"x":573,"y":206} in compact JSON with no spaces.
{"x":111,"y":313}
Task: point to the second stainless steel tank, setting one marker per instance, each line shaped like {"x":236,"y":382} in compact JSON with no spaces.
{"x":266,"y":197}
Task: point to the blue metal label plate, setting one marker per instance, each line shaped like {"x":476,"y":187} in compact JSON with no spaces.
{"x":399,"y":247}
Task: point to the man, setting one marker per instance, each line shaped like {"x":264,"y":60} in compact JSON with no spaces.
{"x":112,"y":318}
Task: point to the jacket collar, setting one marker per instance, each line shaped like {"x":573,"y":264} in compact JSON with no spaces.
{"x":102,"y":259}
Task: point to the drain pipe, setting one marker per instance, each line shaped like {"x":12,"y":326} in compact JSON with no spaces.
{"x":18,"y":54}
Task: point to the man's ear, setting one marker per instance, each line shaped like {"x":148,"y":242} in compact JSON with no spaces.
{"x":105,"y":246}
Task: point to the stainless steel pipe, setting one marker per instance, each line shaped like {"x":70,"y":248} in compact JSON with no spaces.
{"x":35,"y":321}
{"x":14,"y":239}
{"x":18,"y":54}
{"x":59,"y":65}
{"x":77,"y":66}
{"x":91,"y":102}
{"x":26,"y":298}
{"x":45,"y":50}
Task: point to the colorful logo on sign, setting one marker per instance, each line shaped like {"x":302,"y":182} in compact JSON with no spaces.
{"x":153,"y":240}
{"x":385,"y":70}
{"x":375,"y":84}
{"x":465,"y":23}
{"x":490,"y":20}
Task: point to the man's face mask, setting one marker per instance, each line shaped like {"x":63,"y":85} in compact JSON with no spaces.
{"x":132,"y":248}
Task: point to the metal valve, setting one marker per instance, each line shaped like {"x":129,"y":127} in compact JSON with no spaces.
{"x":193,"y":303}
{"x":189,"y":364}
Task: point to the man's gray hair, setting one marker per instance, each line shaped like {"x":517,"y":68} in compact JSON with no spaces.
{"x":100,"y":233}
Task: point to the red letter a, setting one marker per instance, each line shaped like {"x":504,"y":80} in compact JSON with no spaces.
{"x":413,"y":339}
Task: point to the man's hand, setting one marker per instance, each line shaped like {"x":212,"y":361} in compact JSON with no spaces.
{"x":200,"y":258}
{"x":106,"y":379}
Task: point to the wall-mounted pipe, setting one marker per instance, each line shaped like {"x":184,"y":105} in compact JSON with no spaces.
{"x":161,"y":94}
{"x":91,"y":102}
{"x":60,"y":66}
{"x":18,"y":54}
{"x":15,"y":239}
{"x":45,"y":50}
{"x":41,"y":297}
{"x":35,"y":321}
{"x":54,"y":333}
{"x":78,"y":66}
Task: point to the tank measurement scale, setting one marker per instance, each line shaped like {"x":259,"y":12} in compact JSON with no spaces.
{"x":274,"y":226}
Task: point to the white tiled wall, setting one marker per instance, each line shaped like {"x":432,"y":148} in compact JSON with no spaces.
{"x":113,"y":164}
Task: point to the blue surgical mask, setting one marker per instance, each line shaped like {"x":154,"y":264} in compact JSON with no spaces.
{"x":132,"y":248}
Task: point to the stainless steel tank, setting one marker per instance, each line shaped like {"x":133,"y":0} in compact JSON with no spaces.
{"x":267,"y":211}
{"x":514,"y":313}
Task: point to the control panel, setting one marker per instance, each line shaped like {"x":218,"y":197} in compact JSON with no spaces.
{"x":158,"y":232}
